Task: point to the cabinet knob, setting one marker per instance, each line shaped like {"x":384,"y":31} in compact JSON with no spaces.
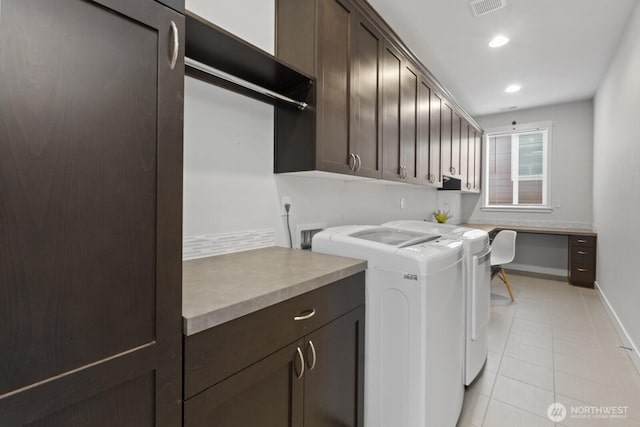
{"x":175,"y":48}
{"x":352,"y":161}
{"x":313,"y":354}
{"x":307,"y":314}
{"x":468,"y":186}
{"x":301,"y":358}
{"x":359,"y":162}
{"x":452,"y":170}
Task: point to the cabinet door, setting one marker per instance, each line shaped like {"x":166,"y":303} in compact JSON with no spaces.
{"x":391,"y":89}
{"x":365,"y":83}
{"x":472,"y":158}
{"x":409,"y":125}
{"x":269,"y":393}
{"x":456,"y":134}
{"x":464,"y":157}
{"x":477,"y":174}
{"x":424,"y":99}
{"x":90,"y":228}
{"x":334,"y":382}
{"x":435,"y":111}
{"x":446,"y":138}
{"x":334,"y":152}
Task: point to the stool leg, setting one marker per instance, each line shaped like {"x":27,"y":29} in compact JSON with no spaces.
{"x":506,"y":282}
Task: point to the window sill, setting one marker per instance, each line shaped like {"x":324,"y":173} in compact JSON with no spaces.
{"x":532,"y":209}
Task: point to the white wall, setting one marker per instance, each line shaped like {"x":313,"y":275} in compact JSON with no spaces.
{"x":616,"y":180}
{"x":571,"y":156}
{"x":229,"y":183}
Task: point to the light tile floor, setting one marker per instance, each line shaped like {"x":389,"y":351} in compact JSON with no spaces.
{"x":554,"y":344}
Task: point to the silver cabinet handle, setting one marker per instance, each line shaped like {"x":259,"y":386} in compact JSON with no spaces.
{"x":432,"y":178}
{"x":301,"y":357}
{"x":306,"y":315}
{"x":582,"y":253}
{"x":352,"y":157}
{"x":452,"y":170}
{"x":468,"y":186}
{"x":582,"y":270}
{"x":176,"y":45}
{"x":582,"y":241}
{"x":402,"y":175}
{"x":313,"y":353}
{"x":359,"y":162}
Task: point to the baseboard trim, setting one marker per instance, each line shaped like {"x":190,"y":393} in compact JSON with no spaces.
{"x":551,"y":271}
{"x":622,"y":331}
{"x":537,"y":275}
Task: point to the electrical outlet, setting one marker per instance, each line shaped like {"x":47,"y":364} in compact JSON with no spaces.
{"x":305,"y":233}
{"x":284,"y":201}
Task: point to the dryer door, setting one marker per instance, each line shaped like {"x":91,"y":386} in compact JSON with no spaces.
{"x":479,"y":313}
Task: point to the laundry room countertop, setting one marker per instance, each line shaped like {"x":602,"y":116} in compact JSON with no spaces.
{"x":221,"y":288}
{"x":536,"y":230}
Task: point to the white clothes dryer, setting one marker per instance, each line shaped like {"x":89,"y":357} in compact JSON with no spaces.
{"x":414,"y":339}
{"x":477,"y":284}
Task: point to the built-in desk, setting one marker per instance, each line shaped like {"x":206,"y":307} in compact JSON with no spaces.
{"x":582,"y":248}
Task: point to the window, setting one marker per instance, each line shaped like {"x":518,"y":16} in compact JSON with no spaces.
{"x":517,"y":169}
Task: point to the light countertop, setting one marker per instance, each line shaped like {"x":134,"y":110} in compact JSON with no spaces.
{"x":526,"y":229}
{"x":221,"y":288}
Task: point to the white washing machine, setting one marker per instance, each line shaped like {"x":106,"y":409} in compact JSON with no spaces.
{"x":414,"y":337}
{"x":477,"y":280}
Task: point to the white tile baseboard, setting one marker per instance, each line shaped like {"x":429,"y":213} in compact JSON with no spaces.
{"x":626,"y":339}
{"x":224,"y":243}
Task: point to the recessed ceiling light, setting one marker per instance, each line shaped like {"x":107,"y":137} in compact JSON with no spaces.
{"x":498,"y":41}
{"x":513,"y":88}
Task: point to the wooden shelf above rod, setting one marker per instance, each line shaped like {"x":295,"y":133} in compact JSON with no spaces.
{"x":214,"y":47}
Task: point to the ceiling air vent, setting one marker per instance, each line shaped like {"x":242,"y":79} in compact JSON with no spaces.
{"x":482,"y":7}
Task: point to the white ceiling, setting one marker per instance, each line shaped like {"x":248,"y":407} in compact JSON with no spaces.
{"x":559,"y":49}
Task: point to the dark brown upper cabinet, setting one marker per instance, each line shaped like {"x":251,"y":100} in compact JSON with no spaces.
{"x":409,"y":143}
{"x":477,"y":161}
{"x":392,"y":71}
{"x":435,"y":139}
{"x":424,"y":131}
{"x":90,"y":236}
{"x":329,"y":39}
{"x":465,"y":183}
{"x":177,"y":5}
{"x":474,"y":159}
{"x":455,"y":166}
{"x":399,"y":117}
{"x":380,"y":113}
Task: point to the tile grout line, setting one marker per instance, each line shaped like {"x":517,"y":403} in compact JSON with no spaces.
{"x":484,"y":418}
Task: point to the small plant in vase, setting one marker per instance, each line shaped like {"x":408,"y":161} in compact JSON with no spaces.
{"x":441,"y":216}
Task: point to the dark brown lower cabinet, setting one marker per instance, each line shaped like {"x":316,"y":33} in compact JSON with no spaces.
{"x":582,"y":260}
{"x":90,"y":213}
{"x":317,"y":380}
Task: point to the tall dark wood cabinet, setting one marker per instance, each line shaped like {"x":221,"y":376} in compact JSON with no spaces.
{"x":329,"y":39}
{"x":90,"y":213}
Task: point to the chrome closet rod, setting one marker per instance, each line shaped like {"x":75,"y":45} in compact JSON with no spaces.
{"x":243,"y":83}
